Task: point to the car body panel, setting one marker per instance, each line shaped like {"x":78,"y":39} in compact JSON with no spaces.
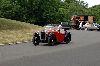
{"x":59,"y":34}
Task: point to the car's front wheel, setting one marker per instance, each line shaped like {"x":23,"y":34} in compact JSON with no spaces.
{"x":51,"y":39}
{"x":36,"y":39}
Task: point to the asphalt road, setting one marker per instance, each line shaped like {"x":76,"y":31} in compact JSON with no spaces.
{"x":84,"y":50}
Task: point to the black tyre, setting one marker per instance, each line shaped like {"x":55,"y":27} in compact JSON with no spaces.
{"x":52,"y":39}
{"x":36,"y":39}
{"x":53,"y":42}
{"x":98,"y":29}
{"x":68,"y":38}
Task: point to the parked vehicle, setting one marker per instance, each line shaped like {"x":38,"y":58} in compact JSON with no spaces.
{"x":98,"y":26}
{"x":88,"y":26}
{"x":51,"y":36}
{"x":83,"y":19}
{"x":66,"y":25}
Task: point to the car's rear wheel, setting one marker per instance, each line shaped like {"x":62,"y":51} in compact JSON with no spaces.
{"x":68,"y":38}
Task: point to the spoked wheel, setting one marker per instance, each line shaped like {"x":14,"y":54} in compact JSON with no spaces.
{"x":68,"y":38}
{"x":51,"y":39}
{"x":36,"y":39}
{"x":52,"y":42}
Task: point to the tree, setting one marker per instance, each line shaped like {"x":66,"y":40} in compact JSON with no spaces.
{"x":45,"y":11}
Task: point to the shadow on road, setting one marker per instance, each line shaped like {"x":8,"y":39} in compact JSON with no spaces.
{"x":63,"y":43}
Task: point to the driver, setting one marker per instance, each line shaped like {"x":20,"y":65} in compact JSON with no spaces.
{"x":59,"y":26}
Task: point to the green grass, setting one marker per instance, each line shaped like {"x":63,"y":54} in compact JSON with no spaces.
{"x":12,"y":31}
{"x":7,"y":24}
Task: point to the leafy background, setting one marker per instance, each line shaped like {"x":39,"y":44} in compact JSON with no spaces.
{"x":42,"y":12}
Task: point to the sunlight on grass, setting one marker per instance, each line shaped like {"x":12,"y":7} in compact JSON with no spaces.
{"x":12,"y":31}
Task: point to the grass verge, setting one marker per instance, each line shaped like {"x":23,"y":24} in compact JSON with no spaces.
{"x":12,"y":31}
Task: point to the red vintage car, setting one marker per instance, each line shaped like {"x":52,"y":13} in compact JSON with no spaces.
{"x":51,"y":36}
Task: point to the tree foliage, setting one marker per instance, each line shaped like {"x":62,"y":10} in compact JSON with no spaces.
{"x":45,"y":11}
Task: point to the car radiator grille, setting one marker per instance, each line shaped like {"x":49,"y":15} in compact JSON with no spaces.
{"x":43,"y":36}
